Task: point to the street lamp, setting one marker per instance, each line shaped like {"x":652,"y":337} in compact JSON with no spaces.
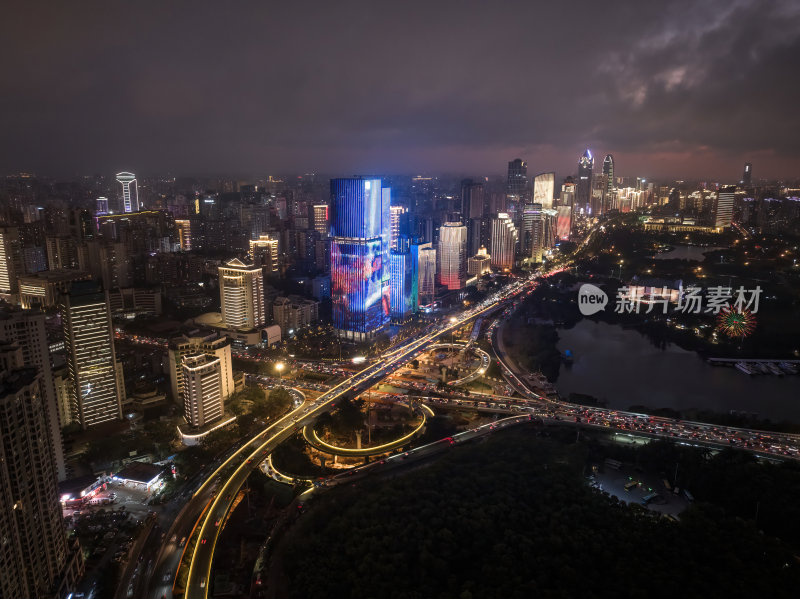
{"x":620,"y":269}
{"x":279,"y":367}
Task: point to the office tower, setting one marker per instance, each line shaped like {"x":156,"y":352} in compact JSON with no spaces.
{"x":451,"y":255}
{"x":402,"y":285}
{"x":544,"y":186}
{"x":89,"y":343}
{"x":747,"y":175}
{"x":584,"y":186}
{"x":214,"y":345}
{"x":183,"y":226}
{"x":423,"y":258}
{"x":130,"y":192}
{"x":608,"y":172}
{"x":723,"y":208}
{"x":27,"y":331}
{"x":567,"y":196}
{"x":564,"y":222}
{"x":396,"y":215}
{"x":517,"y":183}
{"x":264,"y":252}
{"x":321,"y":223}
{"x":115,"y":265}
{"x":361,"y":236}
{"x":202,"y":393}
{"x":472,"y":199}
{"x":550,"y":228}
{"x":102,"y":205}
{"x":10,"y":261}
{"x":34,"y":259}
{"x":532,"y":233}
{"x":479,"y":264}
{"x":504,"y":241}
{"x":241,"y":292}
{"x":35,"y":557}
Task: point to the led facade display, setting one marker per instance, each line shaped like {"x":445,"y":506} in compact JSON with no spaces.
{"x":360,"y":231}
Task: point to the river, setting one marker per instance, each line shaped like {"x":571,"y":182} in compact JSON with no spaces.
{"x":622,"y":367}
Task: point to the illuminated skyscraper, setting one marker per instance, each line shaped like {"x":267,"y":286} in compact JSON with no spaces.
{"x":130,"y":192}
{"x":241,"y":291}
{"x":451,"y":255}
{"x":102,"y":205}
{"x":89,"y":344}
{"x":747,"y":174}
{"x":215,"y":346}
{"x":264,"y":252}
{"x":584,"y":186}
{"x":532,"y":233}
{"x":402,"y":285}
{"x":10,"y":261}
{"x":608,"y":171}
{"x":423,"y":257}
{"x":723,"y":207}
{"x":184,"y":228}
{"x":396,"y":216}
{"x":361,"y":237}
{"x":202,"y":389}
{"x":544,"y":186}
{"x":321,"y":223}
{"x":504,"y":241}
{"x":517,"y":183}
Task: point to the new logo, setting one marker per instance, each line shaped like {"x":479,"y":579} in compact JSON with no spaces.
{"x":591,"y":299}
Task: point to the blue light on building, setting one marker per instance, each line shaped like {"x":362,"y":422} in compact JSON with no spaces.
{"x":361,"y":234}
{"x":403,"y":286}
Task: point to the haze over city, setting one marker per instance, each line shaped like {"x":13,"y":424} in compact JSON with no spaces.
{"x":674,"y":89}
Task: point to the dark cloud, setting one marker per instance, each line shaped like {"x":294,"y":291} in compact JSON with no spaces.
{"x":681,"y":88}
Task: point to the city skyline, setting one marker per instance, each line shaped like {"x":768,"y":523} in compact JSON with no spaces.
{"x":677,"y":94}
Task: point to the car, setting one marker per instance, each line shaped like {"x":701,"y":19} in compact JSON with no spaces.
{"x":203,"y":541}
{"x":203,"y":582}
{"x":217,"y":523}
{"x":166,"y":577}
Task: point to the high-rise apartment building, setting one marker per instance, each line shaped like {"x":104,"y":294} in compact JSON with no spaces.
{"x":27,"y":331}
{"x":89,"y":343}
{"x":361,"y":238}
{"x":130,"y":192}
{"x":423,"y":258}
{"x":293,"y":313}
{"x":11,"y":266}
{"x":202,"y":393}
{"x":723,"y":207}
{"x":544,"y":186}
{"x":451,"y":255}
{"x":504,"y":241}
{"x":214,"y":345}
{"x":62,"y":253}
{"x":264,"y":252}
{"x":241,"y":291}
{"x":36,"y":559}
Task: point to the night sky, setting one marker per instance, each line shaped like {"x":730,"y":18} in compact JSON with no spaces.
{"x":673,"y":88}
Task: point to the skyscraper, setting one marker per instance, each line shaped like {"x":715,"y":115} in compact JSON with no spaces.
{"x":402,"y":285}
{"x":517,"y":183}
{"x":321,"y":223}
{"x":27,"y":330}
{"x":584,"y":186}
{"x":35,"y":557}
{"x":423,"y":257}
{"x":452,"y":255}
{"x":723,"y":207}
{"x":10,"y":261}
{"x":102,"y":205}
{"x":608,"y":171}
{"x":183,"y":227}
{"x":130,"y":192}
{"x":532,"y":233}
{"x":472,"y":199}
{"x":202,"y":392}
{"x":396,"y":214}
{"x":361,"y":237}
{"x":504,"y":241}
{"x":241,"y":291}
{"x":544,"y":186}
{"x":92,"y":361}
{"x":264,"y":252}
{"x":747,"y":174}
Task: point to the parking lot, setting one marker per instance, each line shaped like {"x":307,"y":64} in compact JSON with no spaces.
{"x":613,"y":482}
